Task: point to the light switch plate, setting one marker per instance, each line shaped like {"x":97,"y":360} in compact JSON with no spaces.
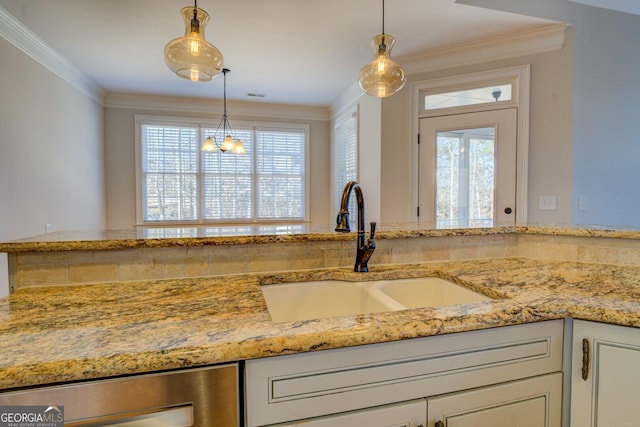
{"x":547,"y":203}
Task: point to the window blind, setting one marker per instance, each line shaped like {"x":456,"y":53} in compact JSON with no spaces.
{"x":346,"y":135}
{"x":228,"y":180}
{"x":169,"y":173}
{"x":179,"y":182}
{"x":280,"y":174}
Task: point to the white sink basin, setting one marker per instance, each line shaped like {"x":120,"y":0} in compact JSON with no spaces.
{"x":288,"y":302}
{"x":429,"y":292}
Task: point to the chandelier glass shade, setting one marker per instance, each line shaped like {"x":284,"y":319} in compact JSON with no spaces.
{"x":229,"y":144}
{"x":191,"y":56}
{"x":382,"y":77}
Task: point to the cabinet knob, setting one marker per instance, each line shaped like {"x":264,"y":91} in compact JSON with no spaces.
{"x":439,"y":424}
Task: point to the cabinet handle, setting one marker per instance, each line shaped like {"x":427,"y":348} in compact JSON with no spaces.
{"x":585,"y":358}
{"x":439,"y":424}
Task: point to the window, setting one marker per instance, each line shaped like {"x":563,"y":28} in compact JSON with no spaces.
{"x":180,"y":183}
{"x":472,"y":96}
{"x":346,"y":159}
{"x":465,"y":178}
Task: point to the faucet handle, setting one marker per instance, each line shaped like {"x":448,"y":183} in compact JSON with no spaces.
{"x":373,"y":230}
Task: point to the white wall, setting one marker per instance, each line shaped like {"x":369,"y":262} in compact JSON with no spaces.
{"x":606,"y":128}
{"x":369,"y":155}
{"x":51,"y":153}
{"x":550,"y":136}
{"x":120,"y":148}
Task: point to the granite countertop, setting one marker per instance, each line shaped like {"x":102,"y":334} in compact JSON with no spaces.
{"x":60,"y":334}
{"x":154,"y":237}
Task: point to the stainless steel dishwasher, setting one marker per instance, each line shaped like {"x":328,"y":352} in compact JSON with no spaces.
{"x":202,"y":397}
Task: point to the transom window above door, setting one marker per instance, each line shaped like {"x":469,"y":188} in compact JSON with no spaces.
{"x":472,"y":96}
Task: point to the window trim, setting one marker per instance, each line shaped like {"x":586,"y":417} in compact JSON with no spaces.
{"x":143,"y":119}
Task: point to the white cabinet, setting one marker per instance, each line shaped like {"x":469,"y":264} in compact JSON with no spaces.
{"x":605,"y":377}
{"x":533,"y":402}
{"x":318,"y":384}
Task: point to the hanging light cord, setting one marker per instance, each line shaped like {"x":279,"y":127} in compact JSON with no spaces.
{"x":225,"y":121}
{"x":382,"y":16}
{"x":382,"y":48}
{"x":224,"y":113}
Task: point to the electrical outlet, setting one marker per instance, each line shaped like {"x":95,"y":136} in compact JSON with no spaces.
{"x":547,"y":203}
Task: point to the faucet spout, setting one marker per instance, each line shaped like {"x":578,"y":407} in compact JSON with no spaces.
{"x":365,"y":247}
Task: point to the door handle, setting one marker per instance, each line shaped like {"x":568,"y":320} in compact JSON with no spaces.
{"x":586,"y":353}
{"x":507,"y":211}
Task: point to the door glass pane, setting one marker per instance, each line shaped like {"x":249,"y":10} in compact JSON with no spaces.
{"x":465,"y":178}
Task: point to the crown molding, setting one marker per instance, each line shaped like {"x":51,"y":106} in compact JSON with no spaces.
{"x":545,"y":39}
{"x":206,"y":106}
{"x":23,"y":39}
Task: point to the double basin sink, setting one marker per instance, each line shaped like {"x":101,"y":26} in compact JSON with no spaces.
{"x":289,"y":302}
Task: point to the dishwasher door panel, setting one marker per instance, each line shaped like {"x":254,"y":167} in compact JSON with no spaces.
{"x":201,"y":397}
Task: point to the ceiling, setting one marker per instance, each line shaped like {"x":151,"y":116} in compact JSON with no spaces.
{"x":291,"y":51}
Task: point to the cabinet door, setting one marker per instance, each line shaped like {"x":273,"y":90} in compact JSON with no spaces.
{"x":606,"y":392}
{"x":406,"y":414}
{"x":534,"y":402}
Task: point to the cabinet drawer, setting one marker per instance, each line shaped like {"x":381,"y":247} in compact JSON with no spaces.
{"x":306,"y":385}
{"x":406,"y":414}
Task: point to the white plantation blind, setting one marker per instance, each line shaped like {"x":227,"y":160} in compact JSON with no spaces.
{"x":179,"y":182}
{"x":228,"y":180}
{"x":346,"y":160}
{"x":280,"y":172}
{"x":169,"y":173}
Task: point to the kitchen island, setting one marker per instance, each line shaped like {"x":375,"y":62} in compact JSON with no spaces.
{"x":60,"y":334}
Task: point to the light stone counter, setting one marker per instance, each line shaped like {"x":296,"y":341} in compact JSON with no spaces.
{"x":242,"y":235}
{"x":69,"y":333}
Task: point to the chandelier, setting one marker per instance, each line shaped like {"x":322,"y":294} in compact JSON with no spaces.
{"x":191,"y":56}
{"x":382,"y":77}
{"x":228,"y":144}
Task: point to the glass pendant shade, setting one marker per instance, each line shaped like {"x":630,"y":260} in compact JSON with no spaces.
{"x":209,"y":145}
{"x":382,"y":77}
{"x":228,"y":144}
{"x":238,"y":148}
{"x":192,"y":57}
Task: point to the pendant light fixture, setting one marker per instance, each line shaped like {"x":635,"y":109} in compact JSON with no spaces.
{"x":382,"y":77}
{"x":191,"y":56}
{"x":229,"y":143}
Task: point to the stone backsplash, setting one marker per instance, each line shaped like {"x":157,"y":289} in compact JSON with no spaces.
{"x":73,"y":267}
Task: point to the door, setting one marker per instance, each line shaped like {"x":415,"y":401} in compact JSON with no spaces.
{"x":605,"y":378}
{"x":533,"y":402}
{"x":467,"y":169}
